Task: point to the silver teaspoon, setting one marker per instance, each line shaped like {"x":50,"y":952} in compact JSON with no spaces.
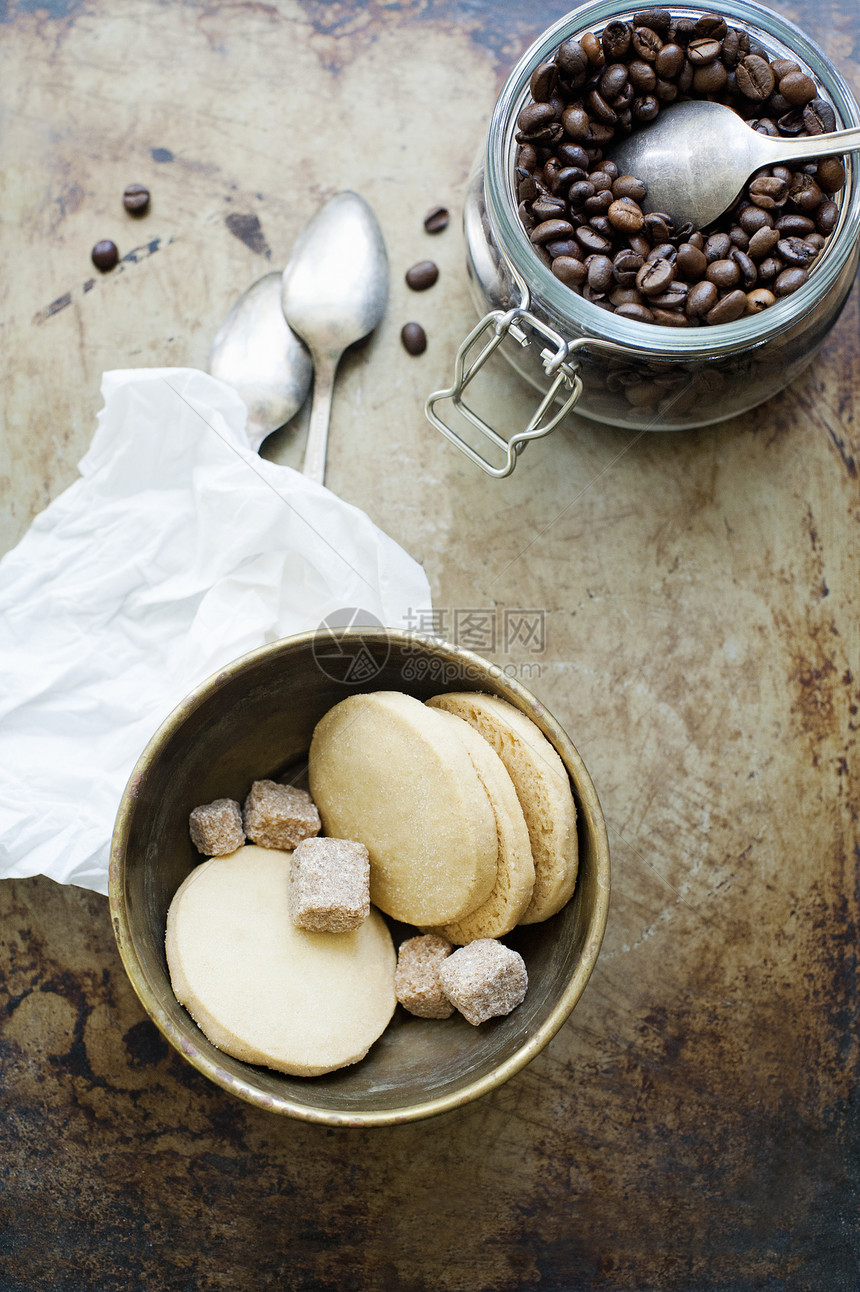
{"x":335,"y":289}
{"x":261,"y":357}
{"x":697,"y":156}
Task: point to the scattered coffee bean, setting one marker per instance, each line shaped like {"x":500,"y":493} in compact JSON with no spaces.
{"x":414,"y":338}
{"x":105,"y":255}
{"x":136,"y":198}
{"x":437,"y":219}
{"x":587,"y":222}
{"x":422,"y":275}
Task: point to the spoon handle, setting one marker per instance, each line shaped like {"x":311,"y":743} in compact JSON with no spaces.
{"x":325,"y":366}
{"x":811,"y":146}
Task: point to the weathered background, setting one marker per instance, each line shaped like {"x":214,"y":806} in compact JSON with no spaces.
{"x":695,"y":1124}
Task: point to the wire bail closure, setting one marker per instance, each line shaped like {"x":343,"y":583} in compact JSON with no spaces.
{"x":555,"y":361}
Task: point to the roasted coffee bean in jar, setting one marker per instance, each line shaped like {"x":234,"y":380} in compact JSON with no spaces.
{"x":610,"y":308}
{"x":588,"y":222}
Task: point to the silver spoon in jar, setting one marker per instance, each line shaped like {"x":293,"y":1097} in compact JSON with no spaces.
{"x":262,"y":358}
{"x":334,"y":292}
{"x":697,"y":156}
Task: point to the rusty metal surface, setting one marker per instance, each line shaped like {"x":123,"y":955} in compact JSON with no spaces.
{"x":695,"y":1124}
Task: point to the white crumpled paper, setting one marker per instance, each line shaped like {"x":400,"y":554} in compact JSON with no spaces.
{"x":177,"y":550}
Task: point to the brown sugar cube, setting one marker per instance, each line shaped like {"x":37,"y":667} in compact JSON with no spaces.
{"x":216,"y":827}
{"x":329,"y":885}
{"x":279,"y":816}
{"x":484,"y":979}
{"x":416,"y":978}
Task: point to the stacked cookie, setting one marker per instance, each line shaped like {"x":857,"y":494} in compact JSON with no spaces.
{"x":463,"y":804}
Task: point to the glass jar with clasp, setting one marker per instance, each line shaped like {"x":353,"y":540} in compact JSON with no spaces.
{"x":610,"y":368}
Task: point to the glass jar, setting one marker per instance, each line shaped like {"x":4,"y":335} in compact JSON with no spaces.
{"x":613,"y":369}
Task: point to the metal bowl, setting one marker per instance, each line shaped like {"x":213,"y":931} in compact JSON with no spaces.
{"x":254,"y":719}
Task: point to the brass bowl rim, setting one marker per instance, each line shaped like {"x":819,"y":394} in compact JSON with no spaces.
{"x":588,"y":803}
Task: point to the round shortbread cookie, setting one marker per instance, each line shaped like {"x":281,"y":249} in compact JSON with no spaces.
{"x":543,"y":789}
{"x":265,"y":991}
{"x":406,"y":788}
{"x":515,"y":877}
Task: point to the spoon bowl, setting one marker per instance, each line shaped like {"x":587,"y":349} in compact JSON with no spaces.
{"x":257,"y":353}
{"x":697,"y":156}
{"x":334,"y":292}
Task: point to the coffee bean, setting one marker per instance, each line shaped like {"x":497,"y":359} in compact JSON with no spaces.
{"x":600,"y":180}
{"x":613,"y":80}
{"x":625,"y":267}
{"x":674,"y":297}
{"x":625,"y":215}
{"x":724,"y":273}
{"x":768,"y":192}
{"x":643,"y":76}
{"x":626,"y":296}
{"x":422,"y":275}
{"x":629,"y":186}
{"x":735,"y":46}
{"x":794,"y":251}
{"x":797,"y":88}
{"x":711,"y":24}
{"x":753,"y":218}
{"x":549,"y":208}
{"x":616,"y":40}
{"x":727,"y":309}
{"x":414,"y":338}
{"x":572,"y":155}
{"x":659,"y":20}
{"x":547,"y":230}
{"x":572,"y":60}
{"x":710,"y":78}
{"x":576,"y":122}
{"x":599,"y":269}
{"x":135,"y":199}
{"x":818,"y":117}
{"x":570,"y":271}
{"x":717,"y":247}
{"x":593,"y":49}
{"x":437,"y":218}
{"x":790,"y":280}
{"x":592,"y":241}
{"x":701,"y":298}
{"x":795,"y":225}
{"x":639,"y":313}
{"x":647,"y":43}
{"x":645,"y":108}
{"x":703,"y":50}
{"x":669,"y":61}
{"x":758,"y":300}
{"x":561,"y":247}
{"x":655,"y":276}
{"x":746,"y":265}
{"x":830,"y":174}
{"x":668,"y":317}
{"x":769,"y":268}
{"x":805,"y":193}
{"x":782,"y":66}
{"x":763,"y":242}
{"x":827,"y":217}
{"x":544,"y":82}
{"x":691,"y":263}
{"x":599,"y":204}
{"x":755,"y":78}
{"x":105,"y":255}
{"x":534,"y":116}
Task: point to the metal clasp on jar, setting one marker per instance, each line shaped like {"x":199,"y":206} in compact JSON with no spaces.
{"x":566,"y":384}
